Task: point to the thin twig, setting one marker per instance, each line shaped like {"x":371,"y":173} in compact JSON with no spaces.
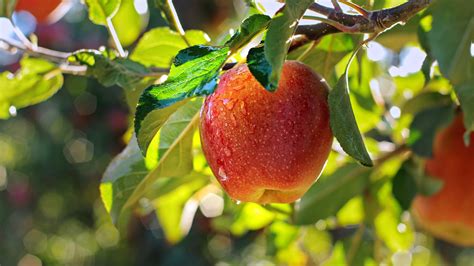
{"x":172,"y":16}
{"x":110,"y":27}
{"x":376,"y":22}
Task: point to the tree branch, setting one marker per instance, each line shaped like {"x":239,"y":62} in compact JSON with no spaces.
{"x":376,"y":22}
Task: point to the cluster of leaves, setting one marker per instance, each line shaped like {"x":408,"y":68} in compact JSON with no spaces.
{"x":163,"y":169}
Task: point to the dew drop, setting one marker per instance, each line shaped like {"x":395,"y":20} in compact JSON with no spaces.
{"x":227,"y":152}
{"x":222,"y":174}
{"x":238,"y":202}
{"x":228,"y":103}
{"x":242,"y":107}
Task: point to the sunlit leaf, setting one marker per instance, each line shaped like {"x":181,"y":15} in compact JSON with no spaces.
{"x":121,"y":177}
{"x":128,"y":23}
{"x":159,"y":46}
{"x":36,"y":81}
{"x":194,"y":73}
{"x":171,"y":208}
{"x":251,"y":217}
{"x":176,"y":137}
{"x":249,"y":28}
{"x":101,"y":10}
{"x":331,"y":193}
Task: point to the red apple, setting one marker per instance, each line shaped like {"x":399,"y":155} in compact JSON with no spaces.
{"x":449,"y":214}
{"x":267,"y":147}
{"x":39,"y":8}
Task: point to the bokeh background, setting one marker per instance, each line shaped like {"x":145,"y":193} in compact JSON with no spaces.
{"x":53,"y":155}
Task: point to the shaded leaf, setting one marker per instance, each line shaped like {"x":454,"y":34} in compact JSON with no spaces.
{"x":249,"y":28}
{"x":404,"y":186}
{"x":330,"y":193}
{"x":281,"y":28}
{"x":425,"y":100}
{"x":450,"y":39}
{"x":159,"y":46}
{"x":101,"y":10}
{"x":411,"y":180}
{"x":425,"y":126}
{"x":343,"y":123}
{"x":259,"y":67}
{"x":36,"y":81}
{"x":465,"y":94}
{"x":110,"y":70}
{"x":195,"y":75}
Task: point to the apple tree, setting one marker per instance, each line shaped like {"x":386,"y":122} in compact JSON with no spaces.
{"x":398,"y":80}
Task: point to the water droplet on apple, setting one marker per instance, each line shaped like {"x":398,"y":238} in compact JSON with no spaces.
{"x":222,"y":174}
{"x":242,"y":108}
{"x":227,"y":152}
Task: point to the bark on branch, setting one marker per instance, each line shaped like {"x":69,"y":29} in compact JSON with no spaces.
{"x":377,"y":21}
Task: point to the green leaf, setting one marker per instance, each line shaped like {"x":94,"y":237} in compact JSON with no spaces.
{"x":101,"y":10}
{"x":168,"y":13}
{"x":36,"y":81}
{"x":324,"y":57}
{"x":159,"y":46}
{"x":343,"y":122}
{"x":424,"y":127}
{"x":404,"y":186}
{"x":7,"y":7}
{"x":174,"y":148}
{"x":411,"y":180}
{"x":196,"y":74}
{"x":251,"y":216}
{"x":249,"y":28}
{"x":121,"y":177}
{"x":281,"y":28}
{"x":465,"y":94}
{"x":128,"y":23}
{"x":450,"y":38}
{"x":330,"y":193}
{"x":170,"y":209}
{"x":259,"y":67}
{"x":425,"y":100}
{"x":110,"y":70}
{"x":176,"y":138}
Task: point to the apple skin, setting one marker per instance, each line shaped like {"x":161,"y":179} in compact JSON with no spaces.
{"x":39,"y":8}
{"x":449,"y":214}
{"x":267,"y":147}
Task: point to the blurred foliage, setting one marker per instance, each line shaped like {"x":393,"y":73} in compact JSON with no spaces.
{"x":77,"y":188}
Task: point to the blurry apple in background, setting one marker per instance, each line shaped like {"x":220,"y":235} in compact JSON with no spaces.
{"x":41,"y":9}
{"x":267,"y":147}
{"x":449,"y":214}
